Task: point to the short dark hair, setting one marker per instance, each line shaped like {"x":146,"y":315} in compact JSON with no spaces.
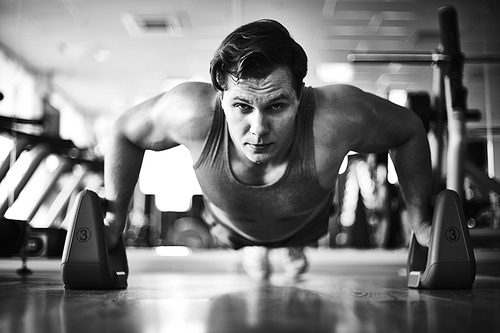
{"x":256,"y":49}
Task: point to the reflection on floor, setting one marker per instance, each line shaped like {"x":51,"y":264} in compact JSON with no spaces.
{"x":345,"y":291}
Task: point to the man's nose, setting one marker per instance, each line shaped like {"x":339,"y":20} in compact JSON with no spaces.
{"x":258,"y":124}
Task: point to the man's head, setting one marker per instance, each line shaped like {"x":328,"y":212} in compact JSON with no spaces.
{"x":260,"y":114}
{"x":254,"y":51}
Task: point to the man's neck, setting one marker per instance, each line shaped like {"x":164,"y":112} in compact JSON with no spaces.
{"x":252,"y":173}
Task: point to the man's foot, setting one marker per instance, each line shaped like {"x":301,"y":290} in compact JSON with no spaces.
{"x":256,"y":262}
{"x":294,"y":261}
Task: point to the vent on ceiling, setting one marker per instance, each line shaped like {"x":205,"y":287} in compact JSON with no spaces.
{"x":155,"y":24}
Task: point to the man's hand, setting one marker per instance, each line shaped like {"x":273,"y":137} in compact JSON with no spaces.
{"x":423,"y":233}
{"x":112,"y":233}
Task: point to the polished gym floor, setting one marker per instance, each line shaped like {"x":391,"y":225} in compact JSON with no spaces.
{"x":207,"y":291}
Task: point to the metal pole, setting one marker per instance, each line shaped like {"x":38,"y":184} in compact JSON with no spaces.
{"x":456,"y":143}
{"x":414,"y":58}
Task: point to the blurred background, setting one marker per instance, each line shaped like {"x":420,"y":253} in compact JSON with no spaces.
{"x":69,"y":68}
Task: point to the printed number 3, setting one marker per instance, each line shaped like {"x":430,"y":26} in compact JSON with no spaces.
{"x":83,"y":235}
{"x":452,"y":234}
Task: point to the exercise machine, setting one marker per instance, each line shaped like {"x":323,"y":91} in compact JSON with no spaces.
{"x":449,"y":116}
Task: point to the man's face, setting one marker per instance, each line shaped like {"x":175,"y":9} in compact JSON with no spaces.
{"x":261,"y":116}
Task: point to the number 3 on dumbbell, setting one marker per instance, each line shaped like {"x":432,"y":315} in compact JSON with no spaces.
{"x":452,"y":234}
{"x":83,"y":235}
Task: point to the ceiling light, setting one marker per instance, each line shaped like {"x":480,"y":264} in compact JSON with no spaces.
{"x":155,"y":24}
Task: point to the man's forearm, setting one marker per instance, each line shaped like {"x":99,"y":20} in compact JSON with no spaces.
{"x":122,"y":164}
{"x":413,"y":165}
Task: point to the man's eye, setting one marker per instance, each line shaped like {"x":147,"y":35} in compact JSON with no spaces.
{"x":243,"y":107}
{"x":277,"y":107}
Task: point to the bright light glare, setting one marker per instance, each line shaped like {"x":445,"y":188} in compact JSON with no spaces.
{"x":343,"y":166}
{"x":6,"y":146}
{"x":392,"y":175}
{"x":398,"y":96}
{"x":169,"y":175}
{"x":345,"y":162}
{"x":335,"y":72}
{"x":52,"y":163}
{"x":173,"y":251}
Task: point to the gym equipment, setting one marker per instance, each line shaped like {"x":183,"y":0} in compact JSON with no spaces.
{"x":31,"y":175}
{"x":86,"y":261}
{"x":12,"y":237}
{"x":449,"y":113}
{"x":18,"y":239}
{"x":45,"y":242}
{"x":449,"y":262}
{"x":448,"y":98}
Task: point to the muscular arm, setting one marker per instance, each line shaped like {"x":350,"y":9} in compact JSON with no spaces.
{"x":387,"y":126}
{"x":122,"y":163}
{"x":412,"y":162}
{"x":163,"y":122}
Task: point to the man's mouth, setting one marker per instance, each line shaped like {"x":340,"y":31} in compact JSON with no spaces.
{"x":259,"y":146}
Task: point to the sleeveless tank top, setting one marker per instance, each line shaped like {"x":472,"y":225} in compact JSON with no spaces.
{"x":264,"y":213}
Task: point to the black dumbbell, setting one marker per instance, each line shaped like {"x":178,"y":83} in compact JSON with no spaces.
{"x":86,"y":262}
{"x":449,"y":262}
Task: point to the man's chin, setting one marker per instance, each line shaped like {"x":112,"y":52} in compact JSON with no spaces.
{"x":257,"y":161}
{"x":256,"y":158}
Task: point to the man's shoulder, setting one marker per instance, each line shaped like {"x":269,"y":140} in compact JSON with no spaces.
{"x":338,"y":103}
{"x":192,"y":93}
{"x":340,"y":114}
{"x":337,"y":95}
{"x":186,"y":111}
{"x":187,"y":100}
